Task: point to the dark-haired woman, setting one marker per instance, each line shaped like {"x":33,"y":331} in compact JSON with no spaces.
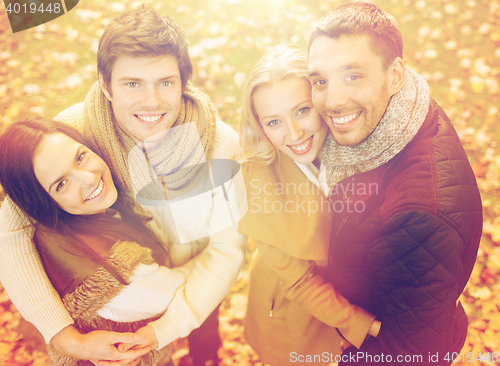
{"x":87,"y":234}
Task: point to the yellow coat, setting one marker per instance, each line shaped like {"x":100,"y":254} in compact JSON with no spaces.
{"x":292,"y":312}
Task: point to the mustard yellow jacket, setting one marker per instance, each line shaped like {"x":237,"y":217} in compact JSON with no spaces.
{"x":293,"y":314}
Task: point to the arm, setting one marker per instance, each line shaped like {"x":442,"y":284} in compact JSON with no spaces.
{"x":420,"y":290}
{"x":23,"y":276}
{"x":214,"y":272}
{"x":302,"y":285}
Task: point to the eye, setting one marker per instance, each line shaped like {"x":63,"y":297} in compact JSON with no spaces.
{"x":166,"y":83}
{"x":320,"y":82}
{"x":303,"y":111}
{"x":81,"y":157}
{"x":273,"y":123}
{"x":60,"y":185}
{"x":353,"y":77}
{"x":132,"y":84}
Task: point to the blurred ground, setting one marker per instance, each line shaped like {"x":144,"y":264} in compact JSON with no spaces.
{"x":455,"y":45}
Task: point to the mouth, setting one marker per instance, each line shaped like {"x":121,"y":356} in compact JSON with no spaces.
{"x":97,"y":191}
{"x":149,"y":119}
{"x":344,"y":121}
{"x":303,"y":147}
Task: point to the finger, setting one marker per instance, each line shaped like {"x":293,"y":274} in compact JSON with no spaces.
{"x":117,"y":337}
{"x":122,"y":358}
{"x":122,"y":347}
{"x":135,"y":362}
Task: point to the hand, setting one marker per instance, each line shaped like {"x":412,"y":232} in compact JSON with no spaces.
{"x":99,"y":345}
{"x":375,"y":328}
{"x":147,"y":336}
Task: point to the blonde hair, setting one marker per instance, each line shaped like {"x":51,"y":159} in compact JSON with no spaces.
{"x":279,"y":63}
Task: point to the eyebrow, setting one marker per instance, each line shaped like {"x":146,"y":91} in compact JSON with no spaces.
{"x":130,"y":78}
{"x":80,"y":146}
{"x":352,"y":65}
{"x":293,"y":108}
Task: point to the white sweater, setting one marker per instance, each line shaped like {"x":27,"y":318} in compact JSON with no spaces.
{"x":217,"y":259}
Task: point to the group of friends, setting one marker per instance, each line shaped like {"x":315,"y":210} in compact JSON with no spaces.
{"x":126,"y":217}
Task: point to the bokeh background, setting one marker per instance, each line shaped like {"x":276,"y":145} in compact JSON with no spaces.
{"x":455,"y":45}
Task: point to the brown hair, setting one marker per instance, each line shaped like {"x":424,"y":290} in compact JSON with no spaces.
{"x":17,"y":176}
{"x":143,"y":33}
{"x":360,"y":19}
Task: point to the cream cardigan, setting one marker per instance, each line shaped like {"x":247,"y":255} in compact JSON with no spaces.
{"x":217,"y":260}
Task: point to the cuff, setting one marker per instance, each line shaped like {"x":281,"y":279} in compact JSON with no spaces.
{"x":358,"y":326}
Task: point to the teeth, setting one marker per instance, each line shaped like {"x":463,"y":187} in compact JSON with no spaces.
{"x":150,"y":118}
{"x":97,"y":191}
{"x":302,"y":147}
{"x":345,"y":119}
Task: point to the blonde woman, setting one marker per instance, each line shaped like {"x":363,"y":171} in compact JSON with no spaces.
{"x":293,"y":315}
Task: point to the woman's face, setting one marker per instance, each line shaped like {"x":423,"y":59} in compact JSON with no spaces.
{"x":77,"y":179}
{"x":289,"y":120}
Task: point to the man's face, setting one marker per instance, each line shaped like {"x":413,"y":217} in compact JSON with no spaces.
{"x":351,"y":88}
{"x":145,"y":93}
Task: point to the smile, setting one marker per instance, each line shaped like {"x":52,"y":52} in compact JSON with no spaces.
{"x":303,"y":147}
{"x":345,"y":119}
{"x":97,"y":191}
{"x":150,"y":119}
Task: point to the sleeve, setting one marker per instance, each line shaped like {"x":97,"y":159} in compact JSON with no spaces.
{"x":72,"y":116}
{"x":302,"y":285}
{"x":23,"y":276}
{"x":214,"y":270}
{"x":420,"y":288}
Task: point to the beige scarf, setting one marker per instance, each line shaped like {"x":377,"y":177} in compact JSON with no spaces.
{"x":403,"y":118}
{"x":183,"y":149}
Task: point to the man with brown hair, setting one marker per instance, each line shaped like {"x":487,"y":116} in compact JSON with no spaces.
{"x":157,"y":132}
{"x":405,"y":250}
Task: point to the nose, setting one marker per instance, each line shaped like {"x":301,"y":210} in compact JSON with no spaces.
{"x":151,"y":97}
{"x":336,"y":97}
{"x":295,"y":132}
{"x":87,"y":179}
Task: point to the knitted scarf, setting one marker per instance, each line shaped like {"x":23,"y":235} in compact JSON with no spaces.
{"x":185,"y":148}
{"x":403,"y":118}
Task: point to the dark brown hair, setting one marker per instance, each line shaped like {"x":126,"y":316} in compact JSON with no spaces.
{"x":17,"y":148}
{"x":360,"y":19}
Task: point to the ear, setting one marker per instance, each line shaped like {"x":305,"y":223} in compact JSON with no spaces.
{"x":397,"y":76}
{"x":104,"y":88}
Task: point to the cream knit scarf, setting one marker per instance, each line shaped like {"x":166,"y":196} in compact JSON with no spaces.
{"x":403,"y":118}
{"x":183,"y":149}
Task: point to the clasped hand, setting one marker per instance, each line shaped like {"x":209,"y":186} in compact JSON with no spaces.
{"x":104,"y":348}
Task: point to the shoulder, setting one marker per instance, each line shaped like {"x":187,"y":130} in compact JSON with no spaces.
{"x":72,"y":116}
{"x":227,"y":144}
{"x":429,"y":174}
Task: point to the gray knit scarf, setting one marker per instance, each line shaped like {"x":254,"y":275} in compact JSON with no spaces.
{"x":176,"y":161}
{"x":403,"y":118}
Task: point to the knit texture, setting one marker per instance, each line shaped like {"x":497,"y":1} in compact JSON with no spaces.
{"x":97,"y":290}
{"x":180,"y":148}
{"x":402,"y":120}
{"x":213,"y":267}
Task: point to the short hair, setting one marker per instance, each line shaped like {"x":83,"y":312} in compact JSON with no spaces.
{"x":279,"y":63}
{"x":360,"y":19}
{"x":143,"y":33}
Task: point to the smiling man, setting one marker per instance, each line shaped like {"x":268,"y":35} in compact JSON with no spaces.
{"x":405,"y":253}
{"x":143,"y":91}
